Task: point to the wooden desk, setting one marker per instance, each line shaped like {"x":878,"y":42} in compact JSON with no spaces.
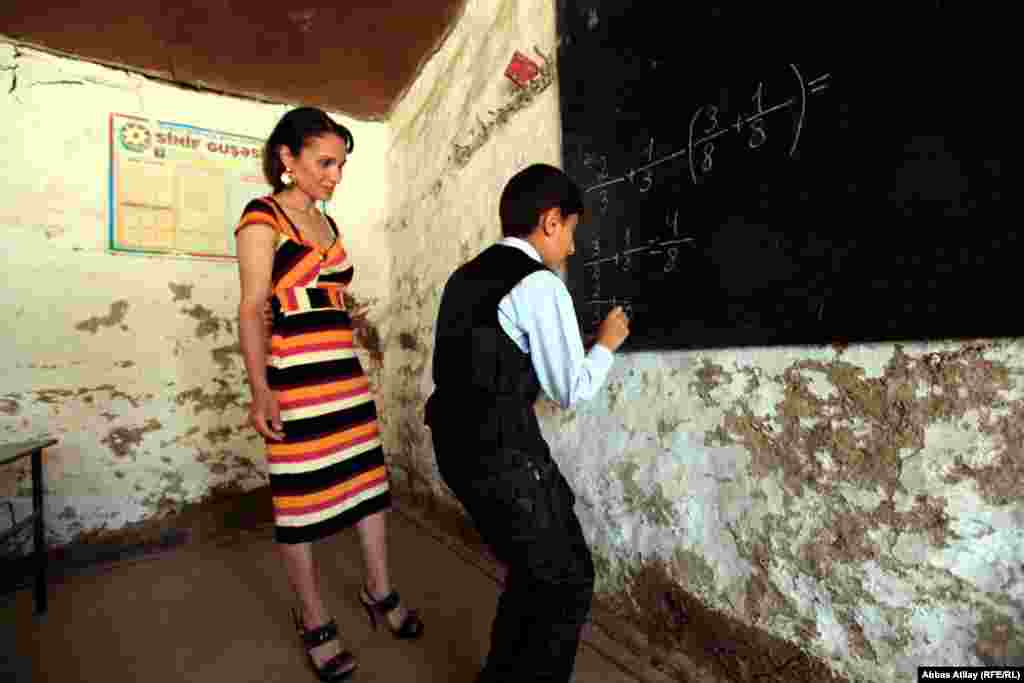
{"x":12,"y":452}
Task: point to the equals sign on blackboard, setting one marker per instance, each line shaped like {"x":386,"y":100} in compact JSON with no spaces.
{"x":819,"y":83}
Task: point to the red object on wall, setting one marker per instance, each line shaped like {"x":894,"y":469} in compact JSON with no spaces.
{"x":522,"y":69}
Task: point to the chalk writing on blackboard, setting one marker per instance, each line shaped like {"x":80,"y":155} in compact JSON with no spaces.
{"x":715,"y":129}
{"x":663,"y":252}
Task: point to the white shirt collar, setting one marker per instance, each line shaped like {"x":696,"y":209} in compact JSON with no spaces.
{"x":523,"y":245}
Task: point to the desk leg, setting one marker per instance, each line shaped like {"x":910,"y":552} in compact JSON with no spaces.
{"x":40,"y":540}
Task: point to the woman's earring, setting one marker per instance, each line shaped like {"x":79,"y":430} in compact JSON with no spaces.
{"x":286,"y":178}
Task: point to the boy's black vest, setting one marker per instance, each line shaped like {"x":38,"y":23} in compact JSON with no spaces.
{"x":485,"y":385}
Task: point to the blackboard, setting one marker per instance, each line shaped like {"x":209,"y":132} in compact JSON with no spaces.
{"x":766,"y":177}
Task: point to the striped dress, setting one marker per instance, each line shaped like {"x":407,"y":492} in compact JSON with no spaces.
{"x":329,"y":471}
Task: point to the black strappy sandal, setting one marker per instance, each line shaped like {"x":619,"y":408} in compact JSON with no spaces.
{"x":411,"y":626}
{"x":338,"y":667}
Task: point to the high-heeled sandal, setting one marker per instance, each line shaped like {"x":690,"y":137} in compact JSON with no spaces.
{"x":411,"y":626}
{"x":337,"y":668}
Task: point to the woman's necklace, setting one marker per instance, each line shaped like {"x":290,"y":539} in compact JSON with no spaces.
{"x":309,"y":210}
{"x":311,"y":213}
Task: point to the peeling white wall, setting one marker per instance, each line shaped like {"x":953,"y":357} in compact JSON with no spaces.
{"x":862,"y":504}
{"x":131,"y":361}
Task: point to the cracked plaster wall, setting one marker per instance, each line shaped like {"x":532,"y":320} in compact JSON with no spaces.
{"x":445,"y":183}
{"x":133,"y":361}
{"x":766,"y":508}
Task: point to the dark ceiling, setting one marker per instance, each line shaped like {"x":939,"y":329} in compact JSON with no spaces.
{"x":356,"y":58}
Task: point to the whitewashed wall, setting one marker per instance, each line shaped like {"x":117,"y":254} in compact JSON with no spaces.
{"x":131,"y":361}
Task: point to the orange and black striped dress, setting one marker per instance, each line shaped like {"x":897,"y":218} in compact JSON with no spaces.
{"x":329,"y":471}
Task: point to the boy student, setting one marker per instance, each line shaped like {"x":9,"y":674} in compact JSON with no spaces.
{"x":507,"y":329}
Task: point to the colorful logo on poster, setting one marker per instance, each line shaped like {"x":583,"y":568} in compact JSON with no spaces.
{"x":136,"y":137}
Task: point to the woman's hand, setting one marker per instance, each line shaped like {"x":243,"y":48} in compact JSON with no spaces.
{"x":358,"y":315}
{"x":265,"y":415}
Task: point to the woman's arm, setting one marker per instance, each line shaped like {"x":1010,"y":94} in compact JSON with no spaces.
{"x":256,"y":247}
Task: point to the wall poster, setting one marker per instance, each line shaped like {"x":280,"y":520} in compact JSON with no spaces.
{"x":179,"y":189}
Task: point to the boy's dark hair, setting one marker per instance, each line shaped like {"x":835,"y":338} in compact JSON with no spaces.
{"x":532,"y":191}
{"x":293,"y":131}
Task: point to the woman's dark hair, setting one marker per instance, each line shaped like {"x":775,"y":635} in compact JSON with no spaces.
{"x":533,"y":191}
{"x":293,"y":131}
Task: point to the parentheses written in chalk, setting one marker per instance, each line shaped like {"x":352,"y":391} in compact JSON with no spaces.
{"x":689,"y":146}
{"x":801,"y":109}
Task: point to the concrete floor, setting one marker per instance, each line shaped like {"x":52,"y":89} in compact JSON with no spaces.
{"x":219,"y":611}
